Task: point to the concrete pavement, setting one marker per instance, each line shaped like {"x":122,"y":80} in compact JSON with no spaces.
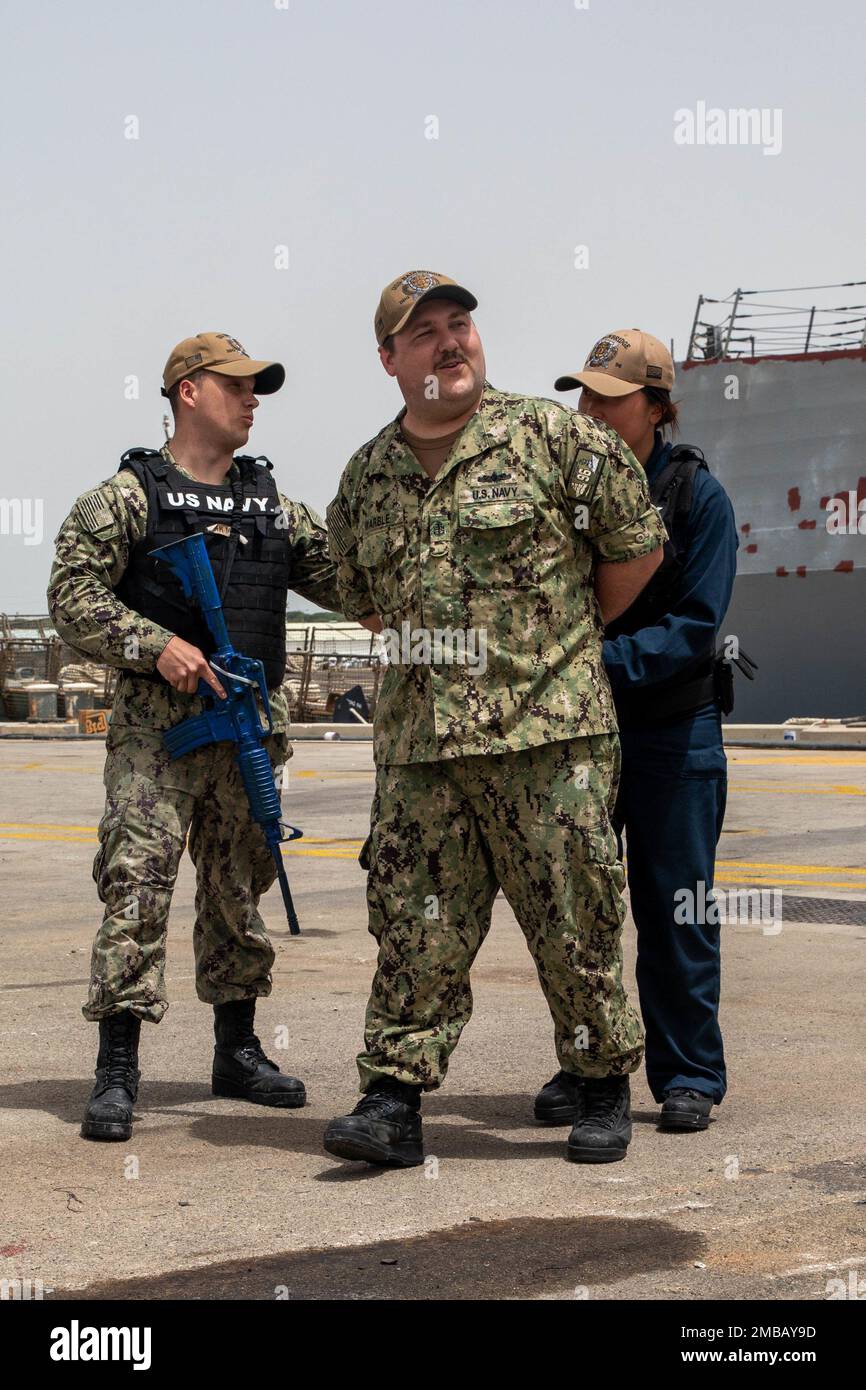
{"x":215,"y":1198}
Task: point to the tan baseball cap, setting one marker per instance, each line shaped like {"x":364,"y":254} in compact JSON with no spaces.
{"x":219,"y":352}
{"x":403,"y":295}
{"x":622,"y":363}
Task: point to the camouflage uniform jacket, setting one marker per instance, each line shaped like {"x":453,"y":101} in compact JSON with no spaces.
{"x":93,"y":547}
{"x":500,"y":549}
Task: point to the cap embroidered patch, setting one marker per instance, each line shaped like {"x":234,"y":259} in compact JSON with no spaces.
{"x":605,"y":351}
{"x":417,"y":282}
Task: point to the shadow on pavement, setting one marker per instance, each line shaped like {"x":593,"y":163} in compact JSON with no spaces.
{"x":524,"y":1258}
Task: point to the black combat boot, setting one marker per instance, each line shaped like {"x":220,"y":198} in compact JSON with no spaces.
{"x":560,"y":1102}
{"x":109,"y":1109}
{"x":384,"y":1127}
{"x":240,"y":1067}
{"x":685,"y":1109}
{"x":602,"y":1134}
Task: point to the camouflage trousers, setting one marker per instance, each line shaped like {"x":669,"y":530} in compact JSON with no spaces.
{"x":445,"y":836}
{"x":152,"y":804}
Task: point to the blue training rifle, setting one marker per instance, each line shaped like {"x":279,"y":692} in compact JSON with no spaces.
{"x":235,"y":719}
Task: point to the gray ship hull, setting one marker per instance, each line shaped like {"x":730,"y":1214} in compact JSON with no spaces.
{"x":787,"y":438}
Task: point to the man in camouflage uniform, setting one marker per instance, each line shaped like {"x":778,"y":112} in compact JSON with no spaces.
{"x":110,"y":601}
{"x":492,"y":534}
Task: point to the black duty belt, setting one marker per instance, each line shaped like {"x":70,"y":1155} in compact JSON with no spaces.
{"x":641,"y":708}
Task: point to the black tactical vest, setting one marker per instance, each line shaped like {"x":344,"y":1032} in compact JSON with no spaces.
{"x":247,"y":542}
{"x":671,"y":490}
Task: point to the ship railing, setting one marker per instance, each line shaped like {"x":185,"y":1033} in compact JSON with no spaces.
{"x":747,"y":323}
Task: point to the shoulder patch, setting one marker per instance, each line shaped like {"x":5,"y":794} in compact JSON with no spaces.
{"x":94,"y":515}
{"x":585,"y":474}
{"x":340,"y":526}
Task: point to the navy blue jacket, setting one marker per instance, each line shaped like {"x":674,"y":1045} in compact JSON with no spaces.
{"x":658,"y":652}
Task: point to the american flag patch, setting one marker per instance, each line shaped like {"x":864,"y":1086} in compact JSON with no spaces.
{"x":93,"y":512}
{"x":339,"y":527}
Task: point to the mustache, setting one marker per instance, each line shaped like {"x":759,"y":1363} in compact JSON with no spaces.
{"x":449,"y":362}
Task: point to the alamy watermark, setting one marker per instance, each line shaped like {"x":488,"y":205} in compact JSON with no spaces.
{"x":846,"y":515}
{"x":438,"y":646}
{"x":77,"y":1343}
{"x":725,"y":906}
{"x":22,"y":516}
{"x":22,"y":1290}
{"x":737,"y":126}
{"x":854,"y":1287}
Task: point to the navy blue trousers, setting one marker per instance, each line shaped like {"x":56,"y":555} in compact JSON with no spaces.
{"x":670,"y":807}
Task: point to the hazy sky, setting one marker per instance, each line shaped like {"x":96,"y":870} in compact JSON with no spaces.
{"x":306,"y":125}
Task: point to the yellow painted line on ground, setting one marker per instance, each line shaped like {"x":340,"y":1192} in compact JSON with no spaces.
{"x":64,"y":826}
{"x":45,"y":825}
{"x":789,"y":868}
{"x":51,"y":831}
{"x":351,"y":843}
{"x":352,"y":848}
{"x":799,"y":760}
{"x":348,"y":775}
{"x":796,"y":791}
{"x":316,"y":854}
{"x":329,"y":776}
{"x":772,"y":882}
{"x":44,"y":836}
{"x":52,"y":767}
{"x":333,"y":840}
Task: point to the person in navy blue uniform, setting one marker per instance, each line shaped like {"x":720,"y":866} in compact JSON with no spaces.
{"x":670,"y":690}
